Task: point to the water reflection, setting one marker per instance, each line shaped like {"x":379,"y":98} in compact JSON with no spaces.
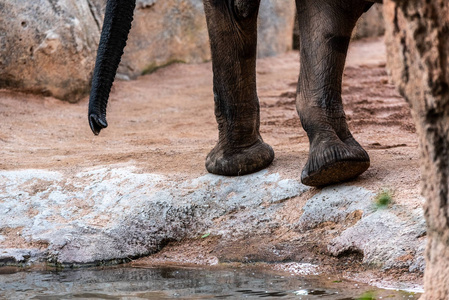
{"x":178,"y":283}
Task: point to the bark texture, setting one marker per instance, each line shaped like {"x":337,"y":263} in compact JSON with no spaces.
{"x":418,"y":44}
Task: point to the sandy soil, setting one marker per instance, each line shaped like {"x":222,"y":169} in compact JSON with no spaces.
{"x":164,"y":123}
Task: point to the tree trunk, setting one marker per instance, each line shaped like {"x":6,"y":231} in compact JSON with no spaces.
{"x":418,"y":48}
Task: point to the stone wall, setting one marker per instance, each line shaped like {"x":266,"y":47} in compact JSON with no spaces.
{"x":49,"y":46}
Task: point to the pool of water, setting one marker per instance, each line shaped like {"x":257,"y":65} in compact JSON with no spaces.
{"x":181,"y":283}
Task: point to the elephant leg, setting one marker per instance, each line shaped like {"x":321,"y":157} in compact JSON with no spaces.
{"x":325,"y":32}
{"x":232,"y":26}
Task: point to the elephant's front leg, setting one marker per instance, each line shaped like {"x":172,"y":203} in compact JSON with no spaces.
{"x":325,"y":32}
{"x":232,"y":26}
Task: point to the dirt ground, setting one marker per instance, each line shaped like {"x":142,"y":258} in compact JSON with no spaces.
{"x":164,"y":123}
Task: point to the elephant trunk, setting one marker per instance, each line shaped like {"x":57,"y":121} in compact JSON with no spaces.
{"x":116,"y":26}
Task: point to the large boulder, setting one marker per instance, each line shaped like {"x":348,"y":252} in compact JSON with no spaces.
{"x":275,"y":27}
{"x":371,"y":24}
{"x":49,"y":46}
{"x":165,"y":31}
{"x":168,"y":31}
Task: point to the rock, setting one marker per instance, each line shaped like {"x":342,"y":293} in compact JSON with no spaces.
{"x":275,"y":27}
{"x":334,"y":204}
{"x":170,"y":31}
{"x":164,"y":32}
{"x":113,"y":213}
{"x":19,"y":257}
{"x":48,"y":47}
{"x":386,"y":237}
{"x":371,"y":24}
{"x":386,"y":240}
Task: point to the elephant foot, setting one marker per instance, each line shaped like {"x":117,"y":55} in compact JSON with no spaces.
{"x":332,"y":160}
{"x":235,"y":161}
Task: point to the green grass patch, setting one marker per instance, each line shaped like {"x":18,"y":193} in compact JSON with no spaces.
{"x":384,"y":198}
{"x":205,"y":235}
{"x":367,"y":296}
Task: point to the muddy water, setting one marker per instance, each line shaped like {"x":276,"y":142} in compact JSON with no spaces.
{"x":180,"y":283}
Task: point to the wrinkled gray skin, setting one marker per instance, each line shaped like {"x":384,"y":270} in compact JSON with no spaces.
{"x":325,"y":31}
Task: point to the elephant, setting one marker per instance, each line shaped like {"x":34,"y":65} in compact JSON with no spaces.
{"x":325,"y":32}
